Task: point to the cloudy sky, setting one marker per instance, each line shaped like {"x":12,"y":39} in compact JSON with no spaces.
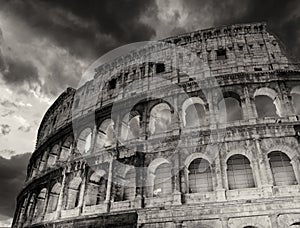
{"x":46,"y":45}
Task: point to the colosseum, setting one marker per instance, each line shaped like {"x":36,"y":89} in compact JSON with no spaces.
{"x":198,"y":130}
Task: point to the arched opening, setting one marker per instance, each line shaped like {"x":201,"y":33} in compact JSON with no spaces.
{"x":130,"y":128}
{"x":230,"y":108}
{"x":84,"y":140}
{"x":267,"y":103}
{"x":195,"y":115}
{"x":40,"y":203}
{"x":200,"y":176}
{"x":30,"y":207}
{"x":239,"y":172}
{"x":295,"y":225}
{"x":96,"y":189}
{"x":21,"y":211}
{"x":265,"y":106}
{"x":295,"y":94}
{"x":162,"y":181}
{"x":43,"y":161}
{"x":282,"y":169}
{"x":106,"y":135}
{"x":193,"y":112}
{"x":160,"y":118}
{"x":53,"y":198}
{"x":73,"y":193}
{"x":52,"y":158}
{"x":66,"y":149}
{"x":296,"y":102}
{"x":130,"y":185}
{"x":34,"y":168}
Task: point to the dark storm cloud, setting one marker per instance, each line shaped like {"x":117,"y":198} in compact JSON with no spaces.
{"x":85,"y":28}
{"x":282,"y":17}
{"x":19,"y":72}
{"x":12,"y":176}
{"x":4,"y":129}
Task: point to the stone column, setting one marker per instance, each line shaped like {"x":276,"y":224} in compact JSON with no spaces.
{"x":218,"y":173}
{"x":177,"y":180}
{"x":274,"y":222}
{"x":265,"y":173}
{"x":45,"y":204}
{"x":140,"y":178}
{"x":94,"y":138}
{"x":286,"y":102}
{"x":262,"y":163}
{"x":61,"y":195}
{"x":256,"y":174}
{"x":249,"y":108}
{"x":295,"y":164}
{"x":212,"y":114}
{"x":224,"y":222}
{"x":19,"y":222}
{"x":109,"y":184}
{"x":220,"y":188}
{"x":82,"y":190}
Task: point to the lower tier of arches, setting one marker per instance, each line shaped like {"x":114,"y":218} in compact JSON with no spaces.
{"x":280,"y":213}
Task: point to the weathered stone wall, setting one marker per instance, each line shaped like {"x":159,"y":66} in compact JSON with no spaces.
{"x":71,"y":183}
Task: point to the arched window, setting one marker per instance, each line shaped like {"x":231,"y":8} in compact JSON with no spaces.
{"x":73,"y":193}
{"x":282,"y":169}
{"x":106,"y":135}
{"x":230,"y":108}
{"x":200,"y":177}
{"x":129,"y":185}
{"x":295,"y":93}
{"x":30,"y":207}
{"x":96,"y":190}
{"x":160,"y":118}
{"x":266,"y":102}
{"x":53,"y":198}
{"x":193,"y":112}
{"x":84,"y":140}
{"x":66,"y":149}
{"x":43,"y":161}
{"x":239,"y":172}
{"x":162,"y":181}
{"x":130,"y":128}
{"x":195,"y":115}
{"x":265,"y":106}
{"x":21,"y":210}
{"x":52,"y":158}
{"x":40,"y":202}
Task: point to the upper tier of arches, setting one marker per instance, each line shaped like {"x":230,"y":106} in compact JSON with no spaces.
{"x":159,"y":117}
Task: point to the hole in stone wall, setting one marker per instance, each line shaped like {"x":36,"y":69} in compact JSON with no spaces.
{"x":265,"y":106}
{"x":112,"y":84}
{"x":282,"y":169}
{"x":239,"y":172}
{"x":160,"y":67}
{"x":221,"y":54}
{"x":257,"y":69}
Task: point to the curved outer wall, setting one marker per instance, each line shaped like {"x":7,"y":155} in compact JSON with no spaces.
{"x":70,"y":184}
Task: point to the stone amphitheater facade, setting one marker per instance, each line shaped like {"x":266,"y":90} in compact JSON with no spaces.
{"x":214,"y":143}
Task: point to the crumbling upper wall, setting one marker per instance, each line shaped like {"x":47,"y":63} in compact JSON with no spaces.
{"x":198,"y":55}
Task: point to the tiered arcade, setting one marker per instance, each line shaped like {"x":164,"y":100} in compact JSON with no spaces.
{"x":250,"y":177}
